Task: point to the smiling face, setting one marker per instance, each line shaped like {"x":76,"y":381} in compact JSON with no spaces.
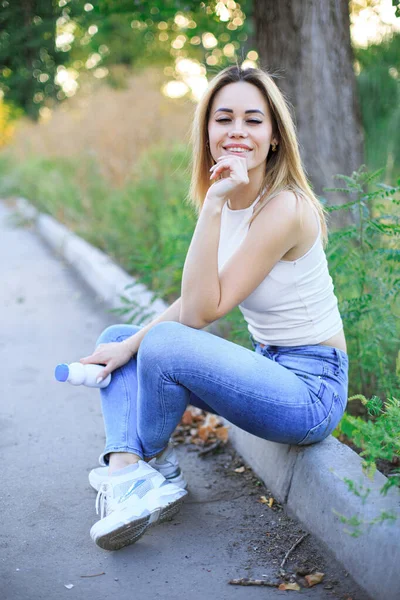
{"x":240,"y":124}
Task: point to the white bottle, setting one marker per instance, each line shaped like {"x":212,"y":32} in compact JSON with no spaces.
{"x":78,"y":374}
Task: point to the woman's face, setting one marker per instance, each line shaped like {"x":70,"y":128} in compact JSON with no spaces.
{"x":240,"y":124}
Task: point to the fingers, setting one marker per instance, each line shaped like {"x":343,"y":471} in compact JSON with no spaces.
{"x":227,"y":163}
{"x":104,"y":373}
{"x":216,"y":172}
{"x":87,"y":360}
{"x":93,"y":358}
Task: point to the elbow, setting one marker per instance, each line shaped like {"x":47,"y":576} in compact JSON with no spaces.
{"x":191,"y":320}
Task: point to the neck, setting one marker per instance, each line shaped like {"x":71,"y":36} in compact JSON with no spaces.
{"x":244,"y":197}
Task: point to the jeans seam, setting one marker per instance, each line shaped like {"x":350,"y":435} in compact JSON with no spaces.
{"x":161,"y":396}
{"x":126,"y":396}
{"x":257,"y":397}
{"x":123,"y":448}
{"x":335,"y":399}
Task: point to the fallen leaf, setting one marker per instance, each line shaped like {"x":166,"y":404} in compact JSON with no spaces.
{"x":240,"y":470}
{"x":314,"y":578}
{"x":204,"y":432}
{"x":187,"y":417}
{"x":69,"y":586}
{"x":270,"y":502}
{"x":222,"y":433}
{"x":263,"y":500}
{"x":289,"y":586}
{"x":211,"y":420}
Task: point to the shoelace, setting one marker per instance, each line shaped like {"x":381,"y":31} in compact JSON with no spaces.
{"x":102,"y":498}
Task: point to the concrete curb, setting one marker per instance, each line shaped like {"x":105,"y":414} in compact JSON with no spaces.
{"x":309,"y":481}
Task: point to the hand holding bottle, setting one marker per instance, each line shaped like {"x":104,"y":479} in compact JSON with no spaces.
{"x":112,"y":355}
{"x":78,"y":374}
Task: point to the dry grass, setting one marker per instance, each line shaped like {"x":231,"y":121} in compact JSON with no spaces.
{"x":113,"y":126}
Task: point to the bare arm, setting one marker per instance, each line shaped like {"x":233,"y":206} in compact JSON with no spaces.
{"x":116,"y":354}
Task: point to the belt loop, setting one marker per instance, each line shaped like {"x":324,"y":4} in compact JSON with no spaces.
{"x":339,"y":360}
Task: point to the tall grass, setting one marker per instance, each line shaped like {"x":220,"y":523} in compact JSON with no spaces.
{"x":112,"y":127}
{"x":144,"y":225}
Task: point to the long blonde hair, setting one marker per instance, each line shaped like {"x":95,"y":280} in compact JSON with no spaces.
{"x":284,"y":169}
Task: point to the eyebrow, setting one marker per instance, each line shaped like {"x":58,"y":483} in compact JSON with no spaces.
{"x":229,"y":110}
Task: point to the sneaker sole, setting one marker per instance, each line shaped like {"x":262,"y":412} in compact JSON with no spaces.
{"x":123,"y":535}
{"x":127,"y":533}
{"x":169,"y":511}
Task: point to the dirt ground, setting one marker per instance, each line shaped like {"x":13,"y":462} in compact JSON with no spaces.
{"x":269,"y":533}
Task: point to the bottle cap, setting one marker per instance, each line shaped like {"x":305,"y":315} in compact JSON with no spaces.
{"x":62,"y":371}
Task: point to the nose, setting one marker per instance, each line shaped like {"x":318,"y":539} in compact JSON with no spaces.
{"x":237,"y":131}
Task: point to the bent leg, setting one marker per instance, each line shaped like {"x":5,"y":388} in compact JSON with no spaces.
{"x":119,"y":399}
{"x":250,"y":390}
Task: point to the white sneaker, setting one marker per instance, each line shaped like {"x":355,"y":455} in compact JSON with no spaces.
{"x":131,"y":502}
{"x":167,"y":464}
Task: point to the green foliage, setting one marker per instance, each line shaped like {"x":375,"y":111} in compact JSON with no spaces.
{"x":131,"y":31}
{"x":28,"y":54}
{"x":363,"y":261}
{"x":378,"y":437}
{"x":378,"y":85}
{"x":38,"y":36}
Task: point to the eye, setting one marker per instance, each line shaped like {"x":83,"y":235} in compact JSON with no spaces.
{"x":254,"y":121}
{"x":222,"y":120}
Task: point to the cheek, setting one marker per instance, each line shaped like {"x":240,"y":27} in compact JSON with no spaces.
{"x":213,"y":134}
{"x":263,"y":144}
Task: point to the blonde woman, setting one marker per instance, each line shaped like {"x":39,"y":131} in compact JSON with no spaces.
{"x":258,"y":244}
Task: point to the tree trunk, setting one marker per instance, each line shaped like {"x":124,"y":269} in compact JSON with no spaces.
{"x":306,"y":43}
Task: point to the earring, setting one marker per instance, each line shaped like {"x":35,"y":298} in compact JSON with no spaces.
{"x":274,"y":147}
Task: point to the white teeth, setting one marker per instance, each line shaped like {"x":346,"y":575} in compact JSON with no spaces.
{"x":237,"y":149}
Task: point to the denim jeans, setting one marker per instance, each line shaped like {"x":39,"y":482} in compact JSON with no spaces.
{"x":290,"y":395}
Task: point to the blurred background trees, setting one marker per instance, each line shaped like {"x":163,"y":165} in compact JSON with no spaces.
{"x":96,"y":102}
{"x":51,"y":49}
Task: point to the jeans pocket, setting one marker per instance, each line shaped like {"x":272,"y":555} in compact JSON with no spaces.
{"x":319,"y":432}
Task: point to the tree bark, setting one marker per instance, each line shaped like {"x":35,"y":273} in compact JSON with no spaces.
{"x":306,"y":44}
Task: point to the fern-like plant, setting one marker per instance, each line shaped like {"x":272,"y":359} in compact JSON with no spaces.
{"x":364,"y":261}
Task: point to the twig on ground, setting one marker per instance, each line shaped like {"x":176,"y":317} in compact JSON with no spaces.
{"x":246,"y":581}
{"x":211,"y":448}
{"x":95,"y":575}
{"x":292,"y":548}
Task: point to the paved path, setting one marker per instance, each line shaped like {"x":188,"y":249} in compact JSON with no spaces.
{"x":50,"y":437}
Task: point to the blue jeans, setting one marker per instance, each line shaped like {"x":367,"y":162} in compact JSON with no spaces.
{"x":291,"y":395}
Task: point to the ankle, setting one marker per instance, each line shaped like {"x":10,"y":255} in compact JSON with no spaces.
{"x":156,"y":455}
{"x":120,"y":460}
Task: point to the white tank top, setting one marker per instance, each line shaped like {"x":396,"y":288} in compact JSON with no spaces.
{"x":295,"y":305}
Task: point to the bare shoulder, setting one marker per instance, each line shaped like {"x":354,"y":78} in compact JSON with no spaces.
{"x":285,"y":206}
{"x":299,"y":214}
{"x":292,"y":205}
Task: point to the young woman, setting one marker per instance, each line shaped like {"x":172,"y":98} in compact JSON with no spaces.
{"x":258,"y":244}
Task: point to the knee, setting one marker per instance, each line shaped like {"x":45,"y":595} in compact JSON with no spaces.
{"x":114,"y":333}
{"x":162,"y":338}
